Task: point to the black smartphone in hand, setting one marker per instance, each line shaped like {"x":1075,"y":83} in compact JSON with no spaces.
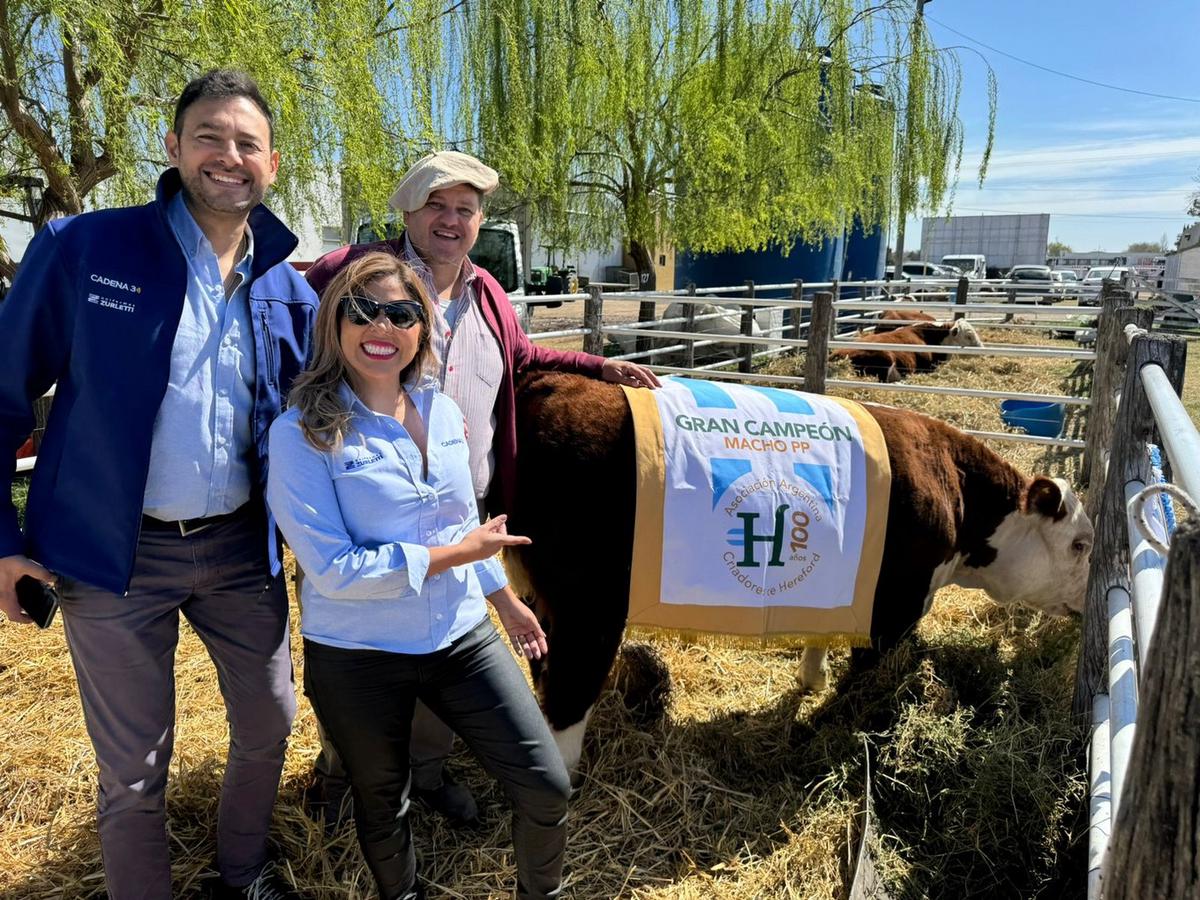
{"x":38,"y":599}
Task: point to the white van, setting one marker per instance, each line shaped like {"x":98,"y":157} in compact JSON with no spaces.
{"x":973,"y":265}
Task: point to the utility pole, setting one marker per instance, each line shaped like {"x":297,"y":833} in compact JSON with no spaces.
{"x":902,"y":198}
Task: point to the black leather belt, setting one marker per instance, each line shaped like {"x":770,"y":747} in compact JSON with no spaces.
{"x":185,"y":527}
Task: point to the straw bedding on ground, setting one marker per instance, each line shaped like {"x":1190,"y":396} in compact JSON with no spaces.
{"x":745,"y":788}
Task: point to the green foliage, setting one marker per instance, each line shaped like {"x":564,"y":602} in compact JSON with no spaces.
{"x":709,"y":123}
{"x":90,"y":87}
{"x":1147,"y":247}
{"x":1057,"y":248}
{"x":714,"y":124}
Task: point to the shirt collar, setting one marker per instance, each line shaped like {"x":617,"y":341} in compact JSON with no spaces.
{"x":413,"y":259}
{"x":193,"y":240}
{"x":421,"y":385}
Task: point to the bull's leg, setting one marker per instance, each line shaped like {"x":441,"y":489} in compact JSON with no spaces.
{"x":575,"y":497}
{"x":814,"y":668}
{"x":576,"y":669}
{"x":570,"y":745}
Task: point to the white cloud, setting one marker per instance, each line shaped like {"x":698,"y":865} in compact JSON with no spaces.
{"x":1087,"y":158}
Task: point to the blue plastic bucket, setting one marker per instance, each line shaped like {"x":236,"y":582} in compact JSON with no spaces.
{"x":1034,"y":417}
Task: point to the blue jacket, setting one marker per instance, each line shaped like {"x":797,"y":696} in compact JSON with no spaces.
{"x":94,"y":308}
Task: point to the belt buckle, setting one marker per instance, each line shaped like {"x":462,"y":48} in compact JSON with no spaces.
{"x":185,"y":531}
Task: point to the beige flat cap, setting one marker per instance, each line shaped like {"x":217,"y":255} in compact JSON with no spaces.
{"x":442,"y":169}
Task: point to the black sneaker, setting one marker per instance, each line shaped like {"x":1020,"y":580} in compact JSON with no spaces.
{"x":452,"y":800}
{"x":270,"y":884}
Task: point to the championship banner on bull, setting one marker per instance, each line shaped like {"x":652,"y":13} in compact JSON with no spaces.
{"x":760,"y":512}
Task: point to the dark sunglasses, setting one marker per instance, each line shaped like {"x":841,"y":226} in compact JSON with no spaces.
{"x":363,"y":311}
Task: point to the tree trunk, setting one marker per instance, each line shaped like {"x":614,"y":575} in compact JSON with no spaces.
{"x":643,"y":262}
{"x":1155,"y":845}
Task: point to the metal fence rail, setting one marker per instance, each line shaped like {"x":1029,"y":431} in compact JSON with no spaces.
{"x":1132,"y":593}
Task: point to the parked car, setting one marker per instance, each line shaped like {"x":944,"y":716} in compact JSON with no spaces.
{"x":973,"y":265}
{"x":1067,"y":289}
{"x":1033,"y":278}
{"x":1094,"y":278}
{"x":919,"y":270}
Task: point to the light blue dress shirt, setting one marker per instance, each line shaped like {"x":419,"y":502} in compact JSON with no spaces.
{"x":200,"y":455}
{"x":361,"y":520}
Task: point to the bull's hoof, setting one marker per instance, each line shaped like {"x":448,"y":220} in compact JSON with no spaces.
{"x":814,"y":669}
{"x":642,"y":679}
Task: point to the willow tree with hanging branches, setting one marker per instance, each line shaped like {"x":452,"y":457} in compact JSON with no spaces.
{"x":709,"y":124}
{"x":87,"y":90}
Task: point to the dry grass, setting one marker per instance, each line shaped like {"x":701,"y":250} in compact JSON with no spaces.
{"x":746,"y":789}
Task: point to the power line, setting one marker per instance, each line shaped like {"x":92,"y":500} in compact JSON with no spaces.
{"x":1111,"y":87}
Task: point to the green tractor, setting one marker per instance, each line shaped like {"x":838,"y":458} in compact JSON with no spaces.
{"x":551,"y":278}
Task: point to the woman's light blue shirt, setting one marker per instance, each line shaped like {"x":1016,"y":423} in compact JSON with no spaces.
{"x":360,"y":520}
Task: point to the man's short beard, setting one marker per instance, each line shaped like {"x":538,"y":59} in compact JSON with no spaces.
{"x":193,"y":190}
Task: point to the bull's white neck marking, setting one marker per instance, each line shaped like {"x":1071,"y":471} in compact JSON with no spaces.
{"x":949,"y":572}
{"x":570,"y":742}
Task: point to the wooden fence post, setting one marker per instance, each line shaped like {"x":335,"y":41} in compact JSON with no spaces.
{"x":1105,"y":378}
{"x":816,"y":354}
{"x":960,"y":295}
{"x":793,"y":317}
{"x":689,"y":324}
{"x":1155,"y":846}
{"x":1109,"y":567}
{"x":593,"y":315}
{"x":746,"y":363}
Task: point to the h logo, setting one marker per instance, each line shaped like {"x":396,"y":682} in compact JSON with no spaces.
{"x":749,"y":538}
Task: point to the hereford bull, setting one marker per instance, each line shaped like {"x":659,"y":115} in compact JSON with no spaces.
{"x":891,"y":319}
{"x":893,"y":363}
{"x":959,"y":514}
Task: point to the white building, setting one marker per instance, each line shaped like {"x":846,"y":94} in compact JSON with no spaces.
{"x":1182,"y":273}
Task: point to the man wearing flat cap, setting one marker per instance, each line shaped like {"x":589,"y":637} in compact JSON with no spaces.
{"x":482,"y":350}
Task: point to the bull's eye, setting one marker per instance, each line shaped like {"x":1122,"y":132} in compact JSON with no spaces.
{"x":1081,"y":547}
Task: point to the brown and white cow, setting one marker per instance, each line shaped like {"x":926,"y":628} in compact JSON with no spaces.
{"x":894,"y":363}
{"x":959,"y":514}
{"x":891,"y":319}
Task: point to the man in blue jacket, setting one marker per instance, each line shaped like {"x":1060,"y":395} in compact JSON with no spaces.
{"x":172,"y":332}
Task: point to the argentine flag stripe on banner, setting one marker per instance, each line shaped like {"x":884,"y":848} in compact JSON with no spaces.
{"x":760,"y":511}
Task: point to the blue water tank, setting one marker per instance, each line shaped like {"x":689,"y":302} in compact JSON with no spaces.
{"x":808,"y":262}
{"x":866,"y":252}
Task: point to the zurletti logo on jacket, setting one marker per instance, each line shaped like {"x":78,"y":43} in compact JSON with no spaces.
{"x":110,"y":303}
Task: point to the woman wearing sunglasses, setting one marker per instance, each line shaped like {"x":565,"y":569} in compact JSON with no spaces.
{"x":370,"y":484}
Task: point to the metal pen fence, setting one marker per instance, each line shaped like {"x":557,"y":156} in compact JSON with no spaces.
{"x":1124,"y":630}
{"x":678,"y":338}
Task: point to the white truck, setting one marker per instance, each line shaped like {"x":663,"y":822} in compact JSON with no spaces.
{"x":973,"y":265}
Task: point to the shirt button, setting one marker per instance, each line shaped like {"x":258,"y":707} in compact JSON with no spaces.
{"x":439,"y":617}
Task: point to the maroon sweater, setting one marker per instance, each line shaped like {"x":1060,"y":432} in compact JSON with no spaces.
{"x":518,"y":351}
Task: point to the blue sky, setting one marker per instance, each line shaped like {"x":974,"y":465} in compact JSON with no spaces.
{"x":1110,"y":167}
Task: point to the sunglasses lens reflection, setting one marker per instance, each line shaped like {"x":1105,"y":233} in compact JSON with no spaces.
{"x":362,"y":311}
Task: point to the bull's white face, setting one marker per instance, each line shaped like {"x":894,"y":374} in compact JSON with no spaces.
{"x":1042,"y":552}
{"x":963,"y":334}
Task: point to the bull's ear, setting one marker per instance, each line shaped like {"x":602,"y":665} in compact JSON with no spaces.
{"x":1044,"y":496}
